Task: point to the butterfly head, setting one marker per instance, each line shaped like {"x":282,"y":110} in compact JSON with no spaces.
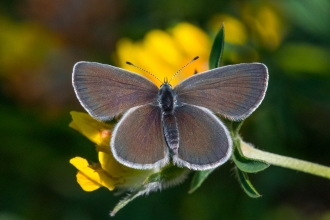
{"x":165,"y":82}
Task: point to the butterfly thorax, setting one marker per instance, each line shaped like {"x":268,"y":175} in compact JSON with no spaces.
{"x":166,"y":98}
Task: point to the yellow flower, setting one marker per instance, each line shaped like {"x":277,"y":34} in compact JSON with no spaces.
{"x":92,"y":177}
{"x":265,"y":24}
{"x":95,"y":131}
{"x":107,"y":172}
{"x":163,"y":53}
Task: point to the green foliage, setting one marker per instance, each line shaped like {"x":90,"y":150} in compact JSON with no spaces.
{"x":217,"y":49}
{"x":245,"y":164}
{"x":198,"y":179}
{"x":246,"y":184}
{"x":127,"y":200}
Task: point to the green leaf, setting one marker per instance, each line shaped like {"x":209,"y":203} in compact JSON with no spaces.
{"x":246,"y":164}
{"x":171,"y":173}
{"x":198,"y":179}
{"x":127,"y":200}
{"x":246,"y":184}
{"x":217,"y":49}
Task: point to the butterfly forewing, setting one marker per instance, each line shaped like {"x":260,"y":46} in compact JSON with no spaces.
{"x":106,"y":91}
{"x":138,"y":140}
{"x":204,"y":142}
{"x":233,"y":91}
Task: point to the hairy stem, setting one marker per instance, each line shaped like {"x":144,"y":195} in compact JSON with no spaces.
{"x":283,"y":161}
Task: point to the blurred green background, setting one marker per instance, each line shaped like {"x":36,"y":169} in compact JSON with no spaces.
{"x":40,"y":40}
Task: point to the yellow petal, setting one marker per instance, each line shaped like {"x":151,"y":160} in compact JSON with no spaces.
{"x":95,"y":175}
{"x":86,"y":183}
{"x":192,"y":40}
{"x":97,"y":132}
{"x":136,"y":54}
{"x":125,"y":52}
{"x":152,"y":63}
{"x":200,"y":65}
{"x":127,"y":177}
{"x":111,"y":165}
{"x":162,"y":45}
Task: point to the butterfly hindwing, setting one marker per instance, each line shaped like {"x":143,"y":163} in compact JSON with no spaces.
{"x":138,"y":139}
{"x":204,"y":142}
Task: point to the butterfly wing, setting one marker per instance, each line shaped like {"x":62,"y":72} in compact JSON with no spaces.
{"x":233,"y":91}
{"x":138,"y":140}
{"x":106,"y":91}
{"x":204,"y":142}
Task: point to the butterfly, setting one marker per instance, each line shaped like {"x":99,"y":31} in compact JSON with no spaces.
{"x":163,"y":125}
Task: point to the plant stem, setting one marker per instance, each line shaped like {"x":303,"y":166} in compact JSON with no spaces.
{"x":283,"y":161}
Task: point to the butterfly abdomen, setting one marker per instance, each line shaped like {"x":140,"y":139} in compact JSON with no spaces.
{"x":171,"y":132}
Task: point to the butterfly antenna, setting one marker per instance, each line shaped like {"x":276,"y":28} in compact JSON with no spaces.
{"x":183,"y":67}
{"x":129,"y":63}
